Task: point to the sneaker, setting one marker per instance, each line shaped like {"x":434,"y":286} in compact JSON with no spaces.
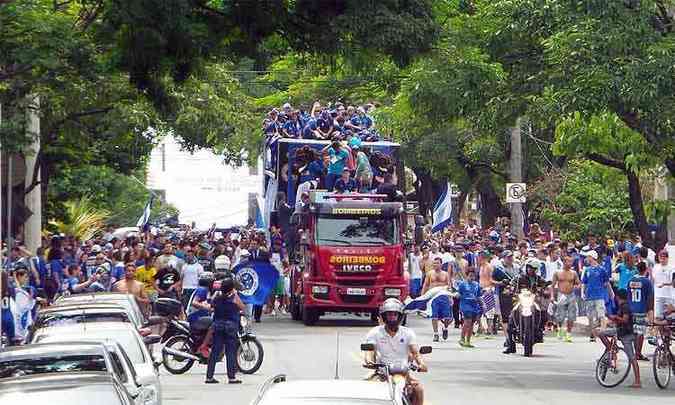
{"x":436,"y":339}
{"x":592,"y":339}
{"x":469,"y":345}
{"x":211,"y":381}
{"x":488,"y":337}
{"x":234,"y":381}
{"x":560,"y":334}
{"x":568,"y":338}
{"x":462,"y":343}
{"x":445,"y":333}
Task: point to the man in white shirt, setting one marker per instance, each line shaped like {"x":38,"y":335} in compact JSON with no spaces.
{"x":190,"y":275}
{"x":396,"y":345}
{"x":553,"y":263}
{"x":416,"y":274}
{"x":663,"y":289}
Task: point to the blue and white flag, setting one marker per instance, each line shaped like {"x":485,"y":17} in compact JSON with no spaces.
{"x":145,"y":218}
{"x":422,"y":304}
{"x":442,"y":215}
{"x":257,"y":279}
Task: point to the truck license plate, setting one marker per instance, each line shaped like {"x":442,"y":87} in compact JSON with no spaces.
{"x":356,"y":291}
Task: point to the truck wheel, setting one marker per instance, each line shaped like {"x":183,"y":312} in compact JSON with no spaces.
{"x":309,"y":316}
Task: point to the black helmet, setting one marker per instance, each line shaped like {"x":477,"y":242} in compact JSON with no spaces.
{"x":206,"y":279}
{"x":227,"y":285}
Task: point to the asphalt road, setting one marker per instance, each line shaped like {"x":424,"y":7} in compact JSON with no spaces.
{"x":559,"y":373}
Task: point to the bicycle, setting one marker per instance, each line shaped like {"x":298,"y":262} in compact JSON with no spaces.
{"x":613,"y":366}
{"x":663,"y":363}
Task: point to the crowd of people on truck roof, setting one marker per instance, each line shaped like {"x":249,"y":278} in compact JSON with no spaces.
{"x":345,"y":165}
{"x":321,"y":122}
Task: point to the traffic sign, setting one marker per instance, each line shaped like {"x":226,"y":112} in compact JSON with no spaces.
{"x":516,"y":192}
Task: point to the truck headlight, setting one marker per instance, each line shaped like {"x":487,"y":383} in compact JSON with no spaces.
{"x":392,"y":292}
{"x":320,"y":289}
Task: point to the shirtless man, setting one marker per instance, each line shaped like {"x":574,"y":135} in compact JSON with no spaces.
{"x":563,"y":286}
{"x":131,"y":286}
{"x":488,"y":322}
{"x":441,"y":310}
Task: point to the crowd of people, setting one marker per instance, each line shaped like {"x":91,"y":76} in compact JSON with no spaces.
{"x":343,"y":166}
{"x":166,"y":264}
{"x":601,"y":278}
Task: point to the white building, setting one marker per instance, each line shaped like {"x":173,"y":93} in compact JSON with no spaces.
{"x":201,"y":186}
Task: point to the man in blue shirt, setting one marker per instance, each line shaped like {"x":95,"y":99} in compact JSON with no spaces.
{"x":595,"y":286}
{"x":641,"y":304}
{"x":345,"y":184}
{"x":469,"y":292}
{"x":337,"y":160}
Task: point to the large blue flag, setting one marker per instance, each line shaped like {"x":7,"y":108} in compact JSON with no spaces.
{"x":257,"y":279}
{"x":442,"y":214}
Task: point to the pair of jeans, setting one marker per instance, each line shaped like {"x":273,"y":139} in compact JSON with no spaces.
{"x":224,"y":336}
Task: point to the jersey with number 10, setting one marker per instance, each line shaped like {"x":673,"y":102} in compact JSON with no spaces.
{"x":640,"y":295}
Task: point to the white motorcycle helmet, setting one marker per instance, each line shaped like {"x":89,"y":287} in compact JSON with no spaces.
{"x":222,"y":263}
{"x":391,"y":305}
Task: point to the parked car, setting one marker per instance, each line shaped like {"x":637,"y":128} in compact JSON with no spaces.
{"x":128,"y":301}
{"x":126,"y":335}
{"x":71,"y":388}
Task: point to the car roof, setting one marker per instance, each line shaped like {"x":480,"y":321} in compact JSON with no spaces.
{"x":83,"y":327}
{"x":84,"y":309}
{"x":70,"y":306}
{"x":337,"y":389}
{"x":60,"y":348}
{"x":96,"y":297}
{"x":55,"y":380}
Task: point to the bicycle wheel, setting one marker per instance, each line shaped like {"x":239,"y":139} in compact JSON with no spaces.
{"x":612,"y":372}
{"x":662,"y":364}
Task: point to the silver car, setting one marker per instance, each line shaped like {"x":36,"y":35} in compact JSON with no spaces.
{"x":277,"y":391}
{"x":127,"y":301}
{"x":126,"y":335}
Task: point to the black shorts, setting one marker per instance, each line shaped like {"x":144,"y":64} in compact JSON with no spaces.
{"x":505,"y":306}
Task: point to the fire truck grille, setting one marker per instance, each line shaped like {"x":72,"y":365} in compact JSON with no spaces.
{"x":357,"y":299}
{"x":357,"y":282}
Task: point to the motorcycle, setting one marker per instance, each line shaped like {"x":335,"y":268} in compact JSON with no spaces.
{"x":180,"y":351}
{"x":525,"y":322}
{"x":394,"y":375}
{"x":171,"y":310}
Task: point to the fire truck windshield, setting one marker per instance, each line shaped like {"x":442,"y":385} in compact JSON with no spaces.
{"x":354,"y":231}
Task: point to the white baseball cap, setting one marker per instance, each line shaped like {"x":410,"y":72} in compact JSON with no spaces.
{"x":593,"y":254}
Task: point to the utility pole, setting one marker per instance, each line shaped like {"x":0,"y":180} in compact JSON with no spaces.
{"x":33,"y":199}
{"x":516,"y":176}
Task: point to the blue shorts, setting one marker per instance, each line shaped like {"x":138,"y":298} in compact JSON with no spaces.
{"x":415,"y":287}
{"x":472,"y":315}
{"x":441,"y":308}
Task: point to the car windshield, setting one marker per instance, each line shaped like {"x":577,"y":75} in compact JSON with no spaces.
{"x":84,"y":395}
{"x":52,"y":364}
{"x":56,"y":319}
{"x":125,"y":338}
{"x":355,"y":231}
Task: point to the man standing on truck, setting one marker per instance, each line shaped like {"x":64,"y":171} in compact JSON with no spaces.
{"x":337,"y":161}
{"x":441,"y":310}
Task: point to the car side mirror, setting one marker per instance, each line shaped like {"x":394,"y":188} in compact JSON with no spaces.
{"x":154,"y":320}
{"x":152,"y":339}
{"x":367,"y":347}
{"x":425,"y":349}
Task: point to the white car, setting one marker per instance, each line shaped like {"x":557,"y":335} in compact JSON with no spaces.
{"x":126,"y":335}
{"x":277,"y":391}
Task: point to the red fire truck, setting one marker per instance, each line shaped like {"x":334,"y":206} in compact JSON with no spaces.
{"x":351,"y":255}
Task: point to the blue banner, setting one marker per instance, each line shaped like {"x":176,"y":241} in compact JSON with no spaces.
{"x":257,"y":279}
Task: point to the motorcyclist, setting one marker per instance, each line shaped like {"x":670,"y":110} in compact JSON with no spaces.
{"x":396,"y":344}
{"x":199,"y":308}
{"x":531,"y":281}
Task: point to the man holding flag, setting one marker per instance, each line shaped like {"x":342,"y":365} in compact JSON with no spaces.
{"x":441,"y":308}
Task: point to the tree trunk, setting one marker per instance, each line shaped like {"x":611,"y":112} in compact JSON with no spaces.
{"x":424,"y":190}
{"x":638,"y":210}
{"x":459,"y":206}
{"x":491,"y":205}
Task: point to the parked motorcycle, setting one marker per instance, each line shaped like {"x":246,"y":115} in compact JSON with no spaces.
{"x":180,"y":352}
{"x":525,"y":322}
{"x":394,"y":375}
